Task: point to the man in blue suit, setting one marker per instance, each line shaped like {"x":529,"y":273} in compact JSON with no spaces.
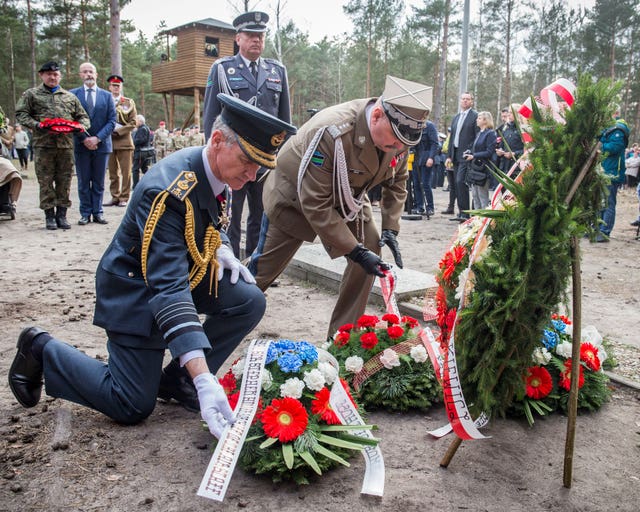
{"x":92,"y":148}
{"x":169,"y":261}
{"x":261,"y":82}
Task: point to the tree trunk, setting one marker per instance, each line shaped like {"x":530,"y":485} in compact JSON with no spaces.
{"x":116,"y":51}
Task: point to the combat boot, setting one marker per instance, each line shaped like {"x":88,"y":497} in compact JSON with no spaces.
{"x":61,"y":218}
{"x":50,"y":215}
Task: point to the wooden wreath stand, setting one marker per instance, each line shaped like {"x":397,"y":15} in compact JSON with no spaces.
{"x":572,"y":411}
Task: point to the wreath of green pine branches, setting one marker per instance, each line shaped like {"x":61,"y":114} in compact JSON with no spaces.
{"x":525,"y":275}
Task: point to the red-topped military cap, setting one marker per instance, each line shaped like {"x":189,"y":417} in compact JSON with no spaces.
{"x":115,"y":79}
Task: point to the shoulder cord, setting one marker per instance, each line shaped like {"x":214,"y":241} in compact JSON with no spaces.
{"x":226,"y":88}
{"x":201,"y":260}
{"x":350,"y":206}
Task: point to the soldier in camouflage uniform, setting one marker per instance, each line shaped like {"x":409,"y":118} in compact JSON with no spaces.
{"x":197,"y":137}
{"x":53,"y":151}
{"x":160,"y":139}
{"x":178,"y":140}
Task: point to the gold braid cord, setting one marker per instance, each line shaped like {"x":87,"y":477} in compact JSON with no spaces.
{"x":201,"y":260}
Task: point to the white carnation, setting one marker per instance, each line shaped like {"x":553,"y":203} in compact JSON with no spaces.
{"x":325,"y":345}
{"x":292,"y":388}
{"x":541,"y":356}
{"x":419,"y":354}
{"x":267,"y":379}
{"x":314,"y":379}
{"x":353,"y":364}
{"x":564,"y":349}
{"x":389,"y":358}
{"x":238,"y":368}
{"x":462,"y":283}
{"x":328,"y":372}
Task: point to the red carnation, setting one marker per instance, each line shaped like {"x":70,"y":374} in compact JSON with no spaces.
{"x":367,"y":321}
{"x":459,"y":252}
{"x":410,"y":321}
{"x":341,"y":339}
{"x":345,"y":328}
{"x":395,"y":332}
{"x":565,"y":376}
{"x":285,"y":419}
{"x":228,"y":382}
{"x":451,"y":318}
{"x":589,"y":354}
{"x":390,"y":318}
{"x":368,"y":340}
{"x":539,"y":383}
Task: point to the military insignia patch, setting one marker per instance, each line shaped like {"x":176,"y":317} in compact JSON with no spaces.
{"x":317,"y":158}
{"x":231,"y":71}
{"x":183,"y":185}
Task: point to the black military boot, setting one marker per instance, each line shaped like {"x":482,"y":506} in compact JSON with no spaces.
{"x":176,"y":384}
{"x":61,"y":218}
{"x":50,"y":215}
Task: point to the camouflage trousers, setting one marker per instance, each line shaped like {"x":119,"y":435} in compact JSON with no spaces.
{"x":54,"y":170}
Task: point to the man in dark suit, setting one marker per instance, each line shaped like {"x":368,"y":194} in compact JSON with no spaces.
{"x":92,"y":148}
{"x":168,"y":263}
{"x":261,"y":82}
{"x":464,"y":129}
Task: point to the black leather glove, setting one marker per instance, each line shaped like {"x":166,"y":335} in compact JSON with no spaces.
{"x":369,"y":261}
{"x":388,"y":238}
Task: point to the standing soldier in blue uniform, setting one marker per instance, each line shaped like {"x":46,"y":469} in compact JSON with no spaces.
{"x":261,"y":82}
{"x":168,"y":262}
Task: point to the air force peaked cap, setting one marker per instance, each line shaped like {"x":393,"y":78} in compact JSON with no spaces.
{"x":259,"y":135}
{"x":49,"y":66}
{"x":407,"y":105}
{"x":254,"y":21}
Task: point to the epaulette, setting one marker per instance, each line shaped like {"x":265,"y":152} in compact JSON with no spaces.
{"x":338,"y":130}
{"x":183,"y":185}
{"x":273,"y":61}
{"x":224,"y":59}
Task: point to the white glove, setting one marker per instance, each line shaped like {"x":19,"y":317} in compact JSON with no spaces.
{"x":214,"y":406}
{"x":228,"y":261}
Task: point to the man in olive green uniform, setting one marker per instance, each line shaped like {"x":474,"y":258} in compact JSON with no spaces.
{"x":160,"y":139}
{"x":197,"y":137}
{"x":53,"y":150}
{"x":121,"y":159}
{"x":319,"y":188}
{"x":178,"y":140}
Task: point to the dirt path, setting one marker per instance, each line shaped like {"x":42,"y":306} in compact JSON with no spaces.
{"x":59,"y":456}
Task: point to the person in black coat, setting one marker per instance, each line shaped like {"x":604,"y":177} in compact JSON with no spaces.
{"x":463,"y":132}
{"x":510,"y":146}
{"x":143,"y":151}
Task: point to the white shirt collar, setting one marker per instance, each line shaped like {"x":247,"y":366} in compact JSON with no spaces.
{"x":247,"y":62}
{"x":216,"y":185}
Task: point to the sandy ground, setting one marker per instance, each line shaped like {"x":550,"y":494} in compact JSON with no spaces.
{"x":59,"y":456}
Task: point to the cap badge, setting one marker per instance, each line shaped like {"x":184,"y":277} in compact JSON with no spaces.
{"x":278,"y":139}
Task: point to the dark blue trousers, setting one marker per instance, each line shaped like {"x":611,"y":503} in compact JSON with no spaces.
{"x":125,"y":388}
{"x":91,"y":167}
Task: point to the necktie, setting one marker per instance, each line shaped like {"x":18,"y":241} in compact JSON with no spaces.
{"x":461,"y":119}
{"x":254,"y":69}
{"x":90,"y":103}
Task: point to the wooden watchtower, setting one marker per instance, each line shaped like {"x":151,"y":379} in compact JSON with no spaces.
{"x":199,"y":44}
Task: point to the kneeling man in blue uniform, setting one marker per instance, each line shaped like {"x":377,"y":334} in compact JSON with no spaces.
{"x":168,"y":262}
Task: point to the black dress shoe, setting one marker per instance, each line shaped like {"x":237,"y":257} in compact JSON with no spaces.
{"x":83,"y":221}
{"x":636,"y":222}
{"x":458,"y":219}
{"x":25,"y":374}
{"x":99,"y":219}
{"x":176,"y":384}
{"x":448,"y":211}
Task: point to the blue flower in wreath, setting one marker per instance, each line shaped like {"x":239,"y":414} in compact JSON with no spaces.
{"x":307,"y":352}
{"x":549,"y":339}
{"x":559,"y":325}
{"x":289,"y":362}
